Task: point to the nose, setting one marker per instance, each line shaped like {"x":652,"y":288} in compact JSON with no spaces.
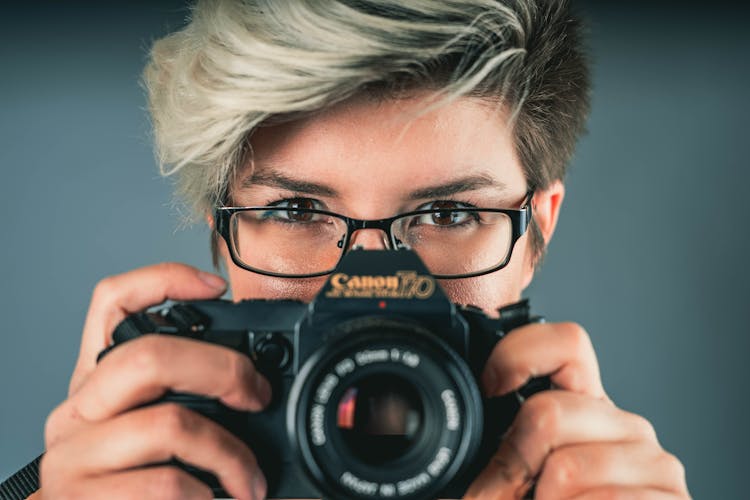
{"x":369,"y":239}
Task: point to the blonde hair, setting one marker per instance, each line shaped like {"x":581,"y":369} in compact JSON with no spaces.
{"x":240,"y":63}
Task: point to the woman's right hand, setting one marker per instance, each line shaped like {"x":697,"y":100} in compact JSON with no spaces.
{"x":99,"y":439}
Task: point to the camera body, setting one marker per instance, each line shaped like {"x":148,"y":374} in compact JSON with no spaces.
{"x":375,"y":382}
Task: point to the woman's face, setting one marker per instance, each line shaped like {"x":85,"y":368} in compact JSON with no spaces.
{"x":368,"y":160}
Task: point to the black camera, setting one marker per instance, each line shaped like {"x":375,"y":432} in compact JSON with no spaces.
{"x":374,"y":381}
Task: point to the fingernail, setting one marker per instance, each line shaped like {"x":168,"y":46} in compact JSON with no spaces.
{"x":262,"y":390}
{"x":489,"y":381}
{"x":212,"y":280}
{"x":258,"y":485}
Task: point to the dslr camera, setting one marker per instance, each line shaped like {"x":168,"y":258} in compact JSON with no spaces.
{"x":375,"y":382}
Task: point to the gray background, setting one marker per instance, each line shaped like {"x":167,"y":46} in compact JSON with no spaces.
{"x":649,"y":254}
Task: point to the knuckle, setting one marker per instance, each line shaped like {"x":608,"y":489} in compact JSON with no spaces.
{"x":170,"y":269}
{"x":63,"y":421}
{"x":672,"y":466}
{"x":643,"y":427}
{"x":542,"y":413}
{"x":105,"y":290}
{"x":169,"y":482}
{"x":166,"y":267}
{"x":562,"y":469}
{"x":577,"y":337}
{"x":174,"y":421}
{"x":145,"y":355}
{"x":577,"y":378}
{"x":51,"y":425}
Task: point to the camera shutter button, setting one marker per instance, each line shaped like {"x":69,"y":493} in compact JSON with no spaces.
{"x":274,"y":350}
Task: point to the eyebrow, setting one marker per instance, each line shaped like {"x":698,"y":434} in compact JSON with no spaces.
{"x":468,"y":183}
{"x":276,"y":179}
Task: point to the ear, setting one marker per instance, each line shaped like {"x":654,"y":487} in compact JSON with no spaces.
{"x":545,"y":208}
{"x":219,"y":251}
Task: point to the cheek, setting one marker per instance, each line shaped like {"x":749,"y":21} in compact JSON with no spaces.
{"x":491,"y":291}
{"x":247,"y":285}
{"x":486,"y":292}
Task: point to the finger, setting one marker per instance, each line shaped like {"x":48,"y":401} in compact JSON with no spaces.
{"x":148,"y":483}
{"x":549,"y":420}
{"x":142,"y":370}
{"x":506,"y":477}
{"x":575,"y":469}
{"x":156,"y":434}
{"x":561,"y":350}
{"x":117,"y":296}
{"x":621,"y":493}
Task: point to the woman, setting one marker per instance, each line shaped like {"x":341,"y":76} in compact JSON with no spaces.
{"x":368,"y":110}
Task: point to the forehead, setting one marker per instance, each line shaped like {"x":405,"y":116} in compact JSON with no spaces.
{"x":370,"y":142}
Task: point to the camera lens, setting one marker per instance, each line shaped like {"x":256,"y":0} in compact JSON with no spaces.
{"x":380,"y":417}
{"x":388,"y":410}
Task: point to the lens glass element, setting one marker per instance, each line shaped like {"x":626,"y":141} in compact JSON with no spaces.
{"x":380,"y":418}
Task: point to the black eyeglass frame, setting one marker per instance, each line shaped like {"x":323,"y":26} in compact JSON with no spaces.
{"x":519,"y":217}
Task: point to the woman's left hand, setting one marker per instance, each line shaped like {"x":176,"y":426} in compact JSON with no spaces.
{"x":573,"y":442}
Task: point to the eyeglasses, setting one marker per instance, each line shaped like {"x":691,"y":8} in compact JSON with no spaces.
{"x":297,"y":242}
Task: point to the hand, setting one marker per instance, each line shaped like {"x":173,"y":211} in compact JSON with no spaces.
{"x":98,"y":440}
{"x":574,"y":442}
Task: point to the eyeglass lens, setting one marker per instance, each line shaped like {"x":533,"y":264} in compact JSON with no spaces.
{"x":297,"y":242}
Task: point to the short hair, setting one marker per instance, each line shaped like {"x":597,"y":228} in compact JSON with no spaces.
{"x":240,"y":63}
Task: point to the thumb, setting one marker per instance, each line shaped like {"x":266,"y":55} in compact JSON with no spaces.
{"x":507,"y":475}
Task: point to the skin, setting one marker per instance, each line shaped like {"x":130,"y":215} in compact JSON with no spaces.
{"x":367,"y":158}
